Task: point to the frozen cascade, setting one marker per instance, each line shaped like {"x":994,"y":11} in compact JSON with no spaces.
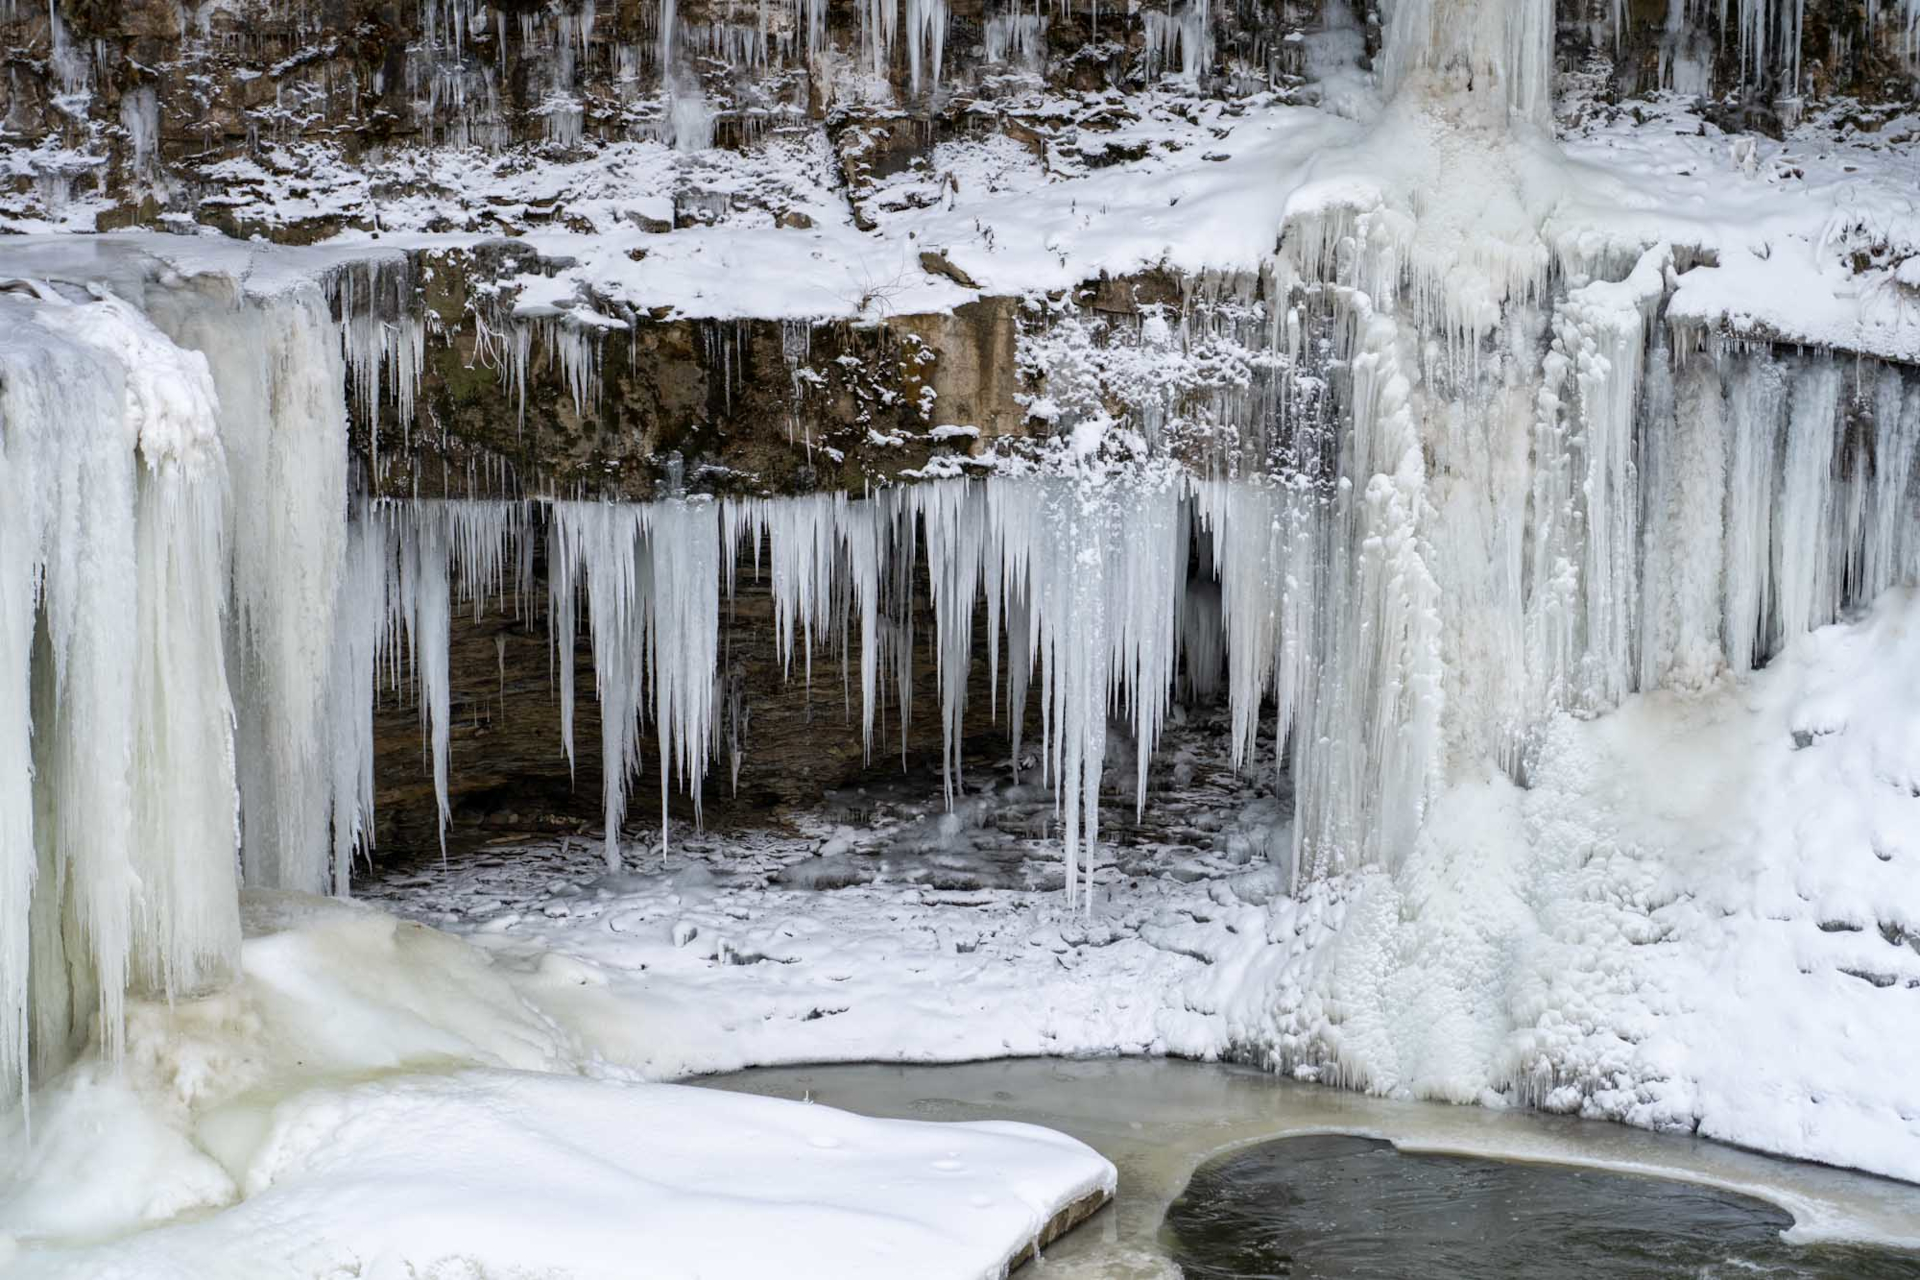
{"x":1553,"y":508}
{"x":118,"y":868}
{"x":1508,"y":45}
{"x":279,"y":370}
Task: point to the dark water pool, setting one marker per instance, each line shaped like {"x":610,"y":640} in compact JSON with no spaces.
{"x":1358,"y":1209}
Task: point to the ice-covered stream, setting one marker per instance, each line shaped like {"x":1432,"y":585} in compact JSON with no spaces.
{"x":1159,"y":1120}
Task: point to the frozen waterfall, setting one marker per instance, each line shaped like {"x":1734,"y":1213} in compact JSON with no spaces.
{"x":195,"y":617}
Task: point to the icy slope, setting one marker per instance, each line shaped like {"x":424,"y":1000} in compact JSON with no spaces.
{"x":1700,"y":914}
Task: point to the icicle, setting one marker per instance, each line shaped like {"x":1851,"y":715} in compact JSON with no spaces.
{"x":360,"y":620}
{"x":604,"y":539}
{"x":424,"y":567}
{"x":683,"y":540}
{"x":954,"y":514}
{"x":563,"y":589}
{"x":1807,"y":579}
{"x":926,"y":41}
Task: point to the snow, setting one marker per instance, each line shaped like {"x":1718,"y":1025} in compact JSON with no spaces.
{"x":375,"y":1096}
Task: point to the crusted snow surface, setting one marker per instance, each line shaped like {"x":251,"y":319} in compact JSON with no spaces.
{"x":376,"y":1098}
{"x":1812,"y":237}
{"x":1809,"y":238}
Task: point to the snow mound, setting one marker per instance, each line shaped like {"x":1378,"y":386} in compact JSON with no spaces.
{"x":488,"y":1173}
{"x":376,"y":1098}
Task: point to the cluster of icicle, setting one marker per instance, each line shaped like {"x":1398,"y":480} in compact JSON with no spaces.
{"x":1650,"y":525}
{"x":1083,"y":582}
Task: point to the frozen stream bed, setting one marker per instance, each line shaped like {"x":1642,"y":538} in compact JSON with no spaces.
{"x":1160,"y":1120}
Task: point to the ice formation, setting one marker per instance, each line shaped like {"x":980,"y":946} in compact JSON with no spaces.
{"x":118,"y":827}
{"x":1469,"y":473}
{"x":1405,"y":604}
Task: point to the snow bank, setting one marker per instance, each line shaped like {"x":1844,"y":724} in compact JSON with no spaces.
{"x":491,"y":1172}
{"x":377,"y":1097}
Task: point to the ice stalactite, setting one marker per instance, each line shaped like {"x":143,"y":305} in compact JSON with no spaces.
{"x":427,"y":605}
{"x":1019,"y":38}
{"x":360,"y":628}
{"x":926,"y":42}
{"x":1087,"y":577}
{"x":603,"y":542}
{"x":384,"y":331}
{"x":879,"y":25}
{"x":814,"y":543}
{"x":1183,"y":32}
{"x":956,"y":531}
{"x":651,"y":574}
{"x":683,"y":543}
